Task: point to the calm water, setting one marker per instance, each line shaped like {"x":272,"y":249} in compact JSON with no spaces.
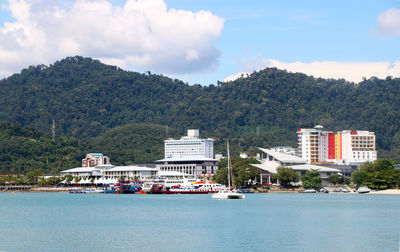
{"x":261,"y":222}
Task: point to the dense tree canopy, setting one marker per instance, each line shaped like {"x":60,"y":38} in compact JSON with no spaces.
{"x":380,"y":174}
{"x":88,"y":100}
{"x":25,"y":149}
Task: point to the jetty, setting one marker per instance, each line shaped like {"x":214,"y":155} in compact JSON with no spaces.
{"x":8,"y":188}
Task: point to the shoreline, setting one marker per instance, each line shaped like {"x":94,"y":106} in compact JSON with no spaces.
{"x":387,"y":192}
{"x":66,"y":189}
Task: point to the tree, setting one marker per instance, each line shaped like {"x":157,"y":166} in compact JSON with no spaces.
{"x":242,"y":170}
{"x":286,"y":176}
{"x":336,"y":179}
{"x":359,"y":177}
{"x":69,"y":179}
{"x":33,"y":175}
{"x":312,"y":180}
{"x":77,"y":179}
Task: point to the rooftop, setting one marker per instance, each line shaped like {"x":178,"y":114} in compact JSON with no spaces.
{"x":80,"y":169}
{"x":130,"y":168}
{"x":186,"y":159}
{"x":284,"y":158}
{"x":270,"y":166}
{"x":97,"y":154}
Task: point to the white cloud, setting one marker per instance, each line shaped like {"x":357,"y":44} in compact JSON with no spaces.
{"x":140,"y":35}
{"x":389,"y":23}
{"x":351,"y":71}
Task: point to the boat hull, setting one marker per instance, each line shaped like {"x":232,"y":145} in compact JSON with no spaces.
{"x":187,"y":192}
{"x":228,"y":195}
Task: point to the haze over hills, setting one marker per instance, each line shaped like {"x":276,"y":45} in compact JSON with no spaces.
{"x":89,"y":100}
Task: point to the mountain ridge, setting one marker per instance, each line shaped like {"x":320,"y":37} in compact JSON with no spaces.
{"x":88,"y":98}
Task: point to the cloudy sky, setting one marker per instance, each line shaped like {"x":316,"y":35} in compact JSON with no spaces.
{"x":202,"y":41}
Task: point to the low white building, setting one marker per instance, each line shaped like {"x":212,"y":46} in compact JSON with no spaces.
{"x":195,"y":166}
{"x":271,"y":160}
{"x":130,"y":172}
{"x":109,"y":174}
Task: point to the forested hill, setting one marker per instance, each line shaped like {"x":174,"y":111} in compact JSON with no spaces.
{"x":87,"y":98}
{"x":22,"y":149}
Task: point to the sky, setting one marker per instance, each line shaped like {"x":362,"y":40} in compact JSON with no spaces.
{"x":205,"y":41}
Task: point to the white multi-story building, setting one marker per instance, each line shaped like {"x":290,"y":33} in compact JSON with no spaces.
{"x":189,"y":146}
{"x":345,"y":147}
{"x":189,"y":155}
{"x":358,"y":146}
{"x":311,"y":144}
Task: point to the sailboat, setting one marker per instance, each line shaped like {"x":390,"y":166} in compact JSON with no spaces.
{"x":229,"y":193}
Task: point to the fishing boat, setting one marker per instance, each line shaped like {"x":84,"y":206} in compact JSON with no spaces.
{"x":146,"y":187}
{"x":230,"y":192}
{"x":156,"y":189}
{"x":123,"y":187}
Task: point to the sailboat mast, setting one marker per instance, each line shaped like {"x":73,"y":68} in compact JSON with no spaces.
{"x":229,"y":163}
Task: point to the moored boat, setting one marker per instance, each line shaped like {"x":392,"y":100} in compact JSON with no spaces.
{"x":341,"y":190}
{"x":187,"y":190}
{"x":94,"y":190}
{"x":363,"y":189}
{"x":77,"y":191}
{"x":228,"y":193}
{"x":123,"y":187}
{"x":309,"y":190}
{"x":156,"y":189}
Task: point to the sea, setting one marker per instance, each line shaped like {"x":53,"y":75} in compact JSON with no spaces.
{"x":261,"y":222}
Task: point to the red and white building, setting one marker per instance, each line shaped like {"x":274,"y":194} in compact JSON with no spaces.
{"x":345,"y":147}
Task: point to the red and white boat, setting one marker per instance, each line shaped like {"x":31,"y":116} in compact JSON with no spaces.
{"x":198,"y":187}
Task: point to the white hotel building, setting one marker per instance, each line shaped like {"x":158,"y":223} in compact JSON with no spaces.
{"x":189,"y":146}
{"x":189,"y":155}
{"x":343,"y":148}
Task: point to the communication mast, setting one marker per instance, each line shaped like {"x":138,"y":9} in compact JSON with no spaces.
{"x":53,"y":131}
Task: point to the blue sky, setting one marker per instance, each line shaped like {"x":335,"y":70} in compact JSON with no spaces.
{"x":332,"y":39}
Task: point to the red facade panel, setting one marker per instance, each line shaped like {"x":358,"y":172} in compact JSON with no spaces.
{"x":331,"y":146}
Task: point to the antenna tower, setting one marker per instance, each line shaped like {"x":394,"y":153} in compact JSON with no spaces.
{"x":53,"y":130}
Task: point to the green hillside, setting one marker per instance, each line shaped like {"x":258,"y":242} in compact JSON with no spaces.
{"x":22,"y":149}
{"x":132,"y":143}
{"x":89,"y":100}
